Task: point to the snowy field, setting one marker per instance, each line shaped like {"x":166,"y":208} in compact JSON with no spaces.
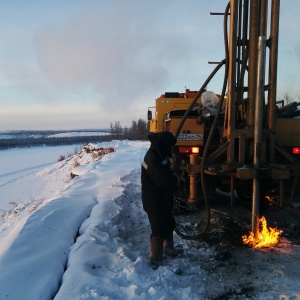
{"x":88,"y":237}
{"x":19,"y":134}
{"x":78,"y":133}
{"x":19,"y":167}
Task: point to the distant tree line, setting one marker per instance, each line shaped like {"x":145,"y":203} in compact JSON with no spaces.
{"x":51,"y":141}
{"x":138,"y":130}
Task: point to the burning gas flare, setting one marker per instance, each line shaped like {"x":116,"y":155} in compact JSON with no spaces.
{"x":270,"y":200}
{"x":266,"y":237}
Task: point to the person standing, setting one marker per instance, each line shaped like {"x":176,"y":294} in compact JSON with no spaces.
{"x":158,"y":181}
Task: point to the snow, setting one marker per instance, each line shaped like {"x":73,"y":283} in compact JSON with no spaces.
{"x":19,"y":134}
{"x":79,"y":133}
{"x":88,"y":237}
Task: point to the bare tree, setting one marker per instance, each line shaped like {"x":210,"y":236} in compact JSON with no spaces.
{"x":138,"y":130}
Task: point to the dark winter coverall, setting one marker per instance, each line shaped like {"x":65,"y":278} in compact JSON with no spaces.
{"x":158,"y":182}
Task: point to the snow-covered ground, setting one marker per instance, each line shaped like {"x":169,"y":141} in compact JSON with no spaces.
{"x":88,"y":237}
{"x":78,"y":133}
{"x":19,"y":134}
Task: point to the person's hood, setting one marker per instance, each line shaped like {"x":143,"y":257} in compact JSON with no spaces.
{"x":162,"y":142}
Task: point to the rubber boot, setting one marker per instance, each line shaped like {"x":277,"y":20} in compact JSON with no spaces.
{"x":156,"y":251}
{"x":169,"y":247}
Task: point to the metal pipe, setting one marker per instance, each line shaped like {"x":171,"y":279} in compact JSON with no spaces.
{"x":245,"y":24}
{"x":244,"y":50}
{"x":273,"y":62}
{"x":232,"y":76}
{"x":252,"y":77}
{"x":193,"y":181}
{"x":239,"y":41}
{"x":263,"y":18}
{"x":259,"y":106}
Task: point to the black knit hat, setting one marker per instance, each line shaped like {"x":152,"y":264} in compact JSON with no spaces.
{"x":162,"y":142}
{"x":167,"y":139}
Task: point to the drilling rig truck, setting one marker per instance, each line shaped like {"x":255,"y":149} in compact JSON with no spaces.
{"x":243,"y":140}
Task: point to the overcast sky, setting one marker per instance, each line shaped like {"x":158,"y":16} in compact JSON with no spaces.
{"x":67,"y":64}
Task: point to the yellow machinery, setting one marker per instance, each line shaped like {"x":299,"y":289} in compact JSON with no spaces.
{"x":169,"y":110}
{"x":248,"y":143}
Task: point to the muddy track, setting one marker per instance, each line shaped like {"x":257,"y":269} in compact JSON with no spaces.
{"x":219,"y":262}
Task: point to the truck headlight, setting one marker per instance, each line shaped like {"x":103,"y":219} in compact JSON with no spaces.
{"x":206,"y":113}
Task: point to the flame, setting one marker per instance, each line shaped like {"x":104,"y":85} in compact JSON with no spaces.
{"x":270,"y":200}
{"x":266,"y":237}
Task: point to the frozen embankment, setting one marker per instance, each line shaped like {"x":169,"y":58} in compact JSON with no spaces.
{"x":38,"y":256}
{"x":33,"y":265}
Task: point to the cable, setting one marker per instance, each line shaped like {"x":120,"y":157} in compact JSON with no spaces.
{"x":205,"y":151}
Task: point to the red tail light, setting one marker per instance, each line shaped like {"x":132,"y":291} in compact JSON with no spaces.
{"x":189,"y":150}
{"x":296,"y":150}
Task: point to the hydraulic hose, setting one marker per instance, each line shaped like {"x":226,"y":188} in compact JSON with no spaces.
{"x":206,"y":147}
{"x":206,"y":199}
{"x":214,"y":125}
{"x":202,"y":89}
